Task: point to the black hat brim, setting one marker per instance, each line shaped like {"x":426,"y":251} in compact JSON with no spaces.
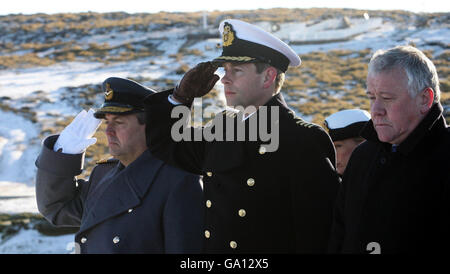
{"x":235,"y":59}
{"x":109,"y":108}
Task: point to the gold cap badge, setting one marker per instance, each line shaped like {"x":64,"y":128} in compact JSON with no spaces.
{"x":109,"y":92}
{"x":228,"y":35}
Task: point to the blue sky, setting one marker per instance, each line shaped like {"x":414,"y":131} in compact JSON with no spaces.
{"x":151,"y":6}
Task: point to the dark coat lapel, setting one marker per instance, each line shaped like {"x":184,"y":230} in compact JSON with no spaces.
{"x":125,"y":191}
{"x":226,"y":155}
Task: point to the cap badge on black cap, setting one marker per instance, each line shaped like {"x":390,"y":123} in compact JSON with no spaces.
{"x":109,"y":92}
{"x":228,"y":35}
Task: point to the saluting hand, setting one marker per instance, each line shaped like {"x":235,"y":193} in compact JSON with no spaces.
{"x":77,"y":136}
{"x":197,"y":82}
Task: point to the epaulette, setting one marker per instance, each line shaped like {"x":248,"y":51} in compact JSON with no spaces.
{"x":299,"y":121}
{"x":107,"y":161}
{"x":303,"y":123}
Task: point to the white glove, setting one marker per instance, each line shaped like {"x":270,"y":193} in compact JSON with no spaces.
{"x":77,"y":136}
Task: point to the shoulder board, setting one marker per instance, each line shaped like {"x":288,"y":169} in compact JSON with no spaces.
{"x":303,"y":123}
{"x":107,"y":161}
{"x":299,"y":121}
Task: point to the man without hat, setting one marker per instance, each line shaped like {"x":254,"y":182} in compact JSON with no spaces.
{"x":344,"y":128}
{"x":133,"y":203}
{"x":257,"y":200}
{"x":395,"y":194}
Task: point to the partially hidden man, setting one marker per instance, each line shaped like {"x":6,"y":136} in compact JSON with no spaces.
{"x":133,"y":203}
{"x":257,"y":200}
{"x":344,"y":127}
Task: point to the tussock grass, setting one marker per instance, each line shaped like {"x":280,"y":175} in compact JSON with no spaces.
{"x":328,"y":82}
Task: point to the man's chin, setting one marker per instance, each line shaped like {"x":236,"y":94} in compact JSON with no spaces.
{"x":113,"y":152}
{"x":229,"y":103}
{"x":385,"y":137}
{"x":382,"y":138}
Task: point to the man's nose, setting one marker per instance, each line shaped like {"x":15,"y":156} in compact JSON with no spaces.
{"x":110,"y":130}
{"x":377,"y":108}
{"x":226,"y":79}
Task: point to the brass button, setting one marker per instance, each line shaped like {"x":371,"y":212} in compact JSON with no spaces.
{"x":83,"y":240}
{"x":242,"y":212}
{"x":209,"y":173}
{"x":207,"y":234}
{"x":251,"y":182}
{"x":233,"y":244}
{"x":262,"y":150}
{"x":208,"y":203}
{"x":116,"y":239}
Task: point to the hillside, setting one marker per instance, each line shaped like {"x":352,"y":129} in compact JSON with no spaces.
{"x":52,"y":66}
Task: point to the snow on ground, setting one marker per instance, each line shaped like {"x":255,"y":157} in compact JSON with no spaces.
{"x":331,"y":29}
{"x":19,"y":83}
{"x":32,"y":242}
{"x":17,"y":198}
{"x":18,"y":150}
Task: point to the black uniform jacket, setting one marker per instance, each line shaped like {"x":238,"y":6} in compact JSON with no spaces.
{"x":256,"y":201}
{"x":146,"y":207}
{"x":397,"y":202}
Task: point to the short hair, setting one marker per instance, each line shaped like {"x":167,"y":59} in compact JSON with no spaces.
{"x":420,"y":71}
{"x":260,"y":67}
{"x":141,"y":118}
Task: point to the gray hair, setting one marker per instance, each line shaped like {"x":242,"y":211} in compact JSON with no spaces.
{"x":420,"y":70}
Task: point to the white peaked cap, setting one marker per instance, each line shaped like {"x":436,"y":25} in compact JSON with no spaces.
{"x":347,"y":117}
{"x":346,"y":123}
{"x":244,"y":42}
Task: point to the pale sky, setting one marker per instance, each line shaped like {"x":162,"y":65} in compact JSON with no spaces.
{"x":152,"y":6}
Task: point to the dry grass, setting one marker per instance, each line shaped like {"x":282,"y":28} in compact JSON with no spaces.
{"x":325,"y":75}
{"x":24,"y":61}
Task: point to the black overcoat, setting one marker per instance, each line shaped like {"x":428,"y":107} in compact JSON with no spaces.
{"x":256,"y":201}
{"x":397,"y":202}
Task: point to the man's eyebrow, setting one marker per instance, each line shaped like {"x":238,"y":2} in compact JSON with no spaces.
{"x":368,"y":92}
{"x":115,"y":117}
{"x":387,"y":93}
{"x":237,"y":64}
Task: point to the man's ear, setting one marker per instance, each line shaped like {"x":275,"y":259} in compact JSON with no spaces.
{"x":426,"y":100}
{"x":270,"y":74}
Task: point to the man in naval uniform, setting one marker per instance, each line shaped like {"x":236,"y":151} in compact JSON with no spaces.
{"x":258,"y":198}
{"x":344,"y":128}
{"x":133,"y":203}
